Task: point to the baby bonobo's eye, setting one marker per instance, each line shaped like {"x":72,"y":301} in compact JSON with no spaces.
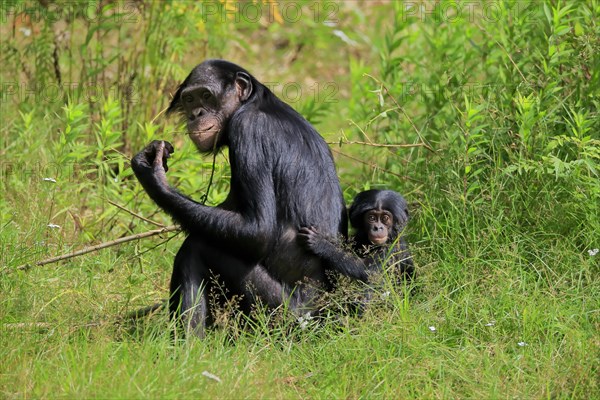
{"x":206,"y":95}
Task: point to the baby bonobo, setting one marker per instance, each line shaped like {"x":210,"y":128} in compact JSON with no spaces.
{"x":379,"y":217}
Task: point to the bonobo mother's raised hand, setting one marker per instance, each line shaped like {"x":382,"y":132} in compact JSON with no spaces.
{"x":150,"y":165}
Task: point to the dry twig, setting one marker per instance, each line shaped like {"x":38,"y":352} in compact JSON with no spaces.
{"x":171,"y":228}
{"x":120,"y":207}
{"x":345,"y":141}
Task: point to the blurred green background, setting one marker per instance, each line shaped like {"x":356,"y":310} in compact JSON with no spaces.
{"x":484,"y":114}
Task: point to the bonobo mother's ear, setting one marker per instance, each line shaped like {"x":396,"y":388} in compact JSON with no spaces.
{"x":243,"y":85}
{"x":176,"y":101}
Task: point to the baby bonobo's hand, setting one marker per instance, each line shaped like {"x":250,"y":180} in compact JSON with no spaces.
{"x":308,"y":237}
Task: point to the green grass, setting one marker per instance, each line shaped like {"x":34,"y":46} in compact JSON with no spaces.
{"x":87,"y":351}
{"x":505,"y":209}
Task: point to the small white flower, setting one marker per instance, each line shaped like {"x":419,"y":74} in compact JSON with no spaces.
{"x":49,"y":180}
{"x":432,"y":328}
{"x":385,"y":295}
{"x":53,"y":226}
{"x":491,"y":323}
{"x":522,"y":344}
{"x":211,"y":376}
{"x":308,"y":316}
{"x":593,"y":252}
{"x":26,"y":31}
{"x":303,"y":320}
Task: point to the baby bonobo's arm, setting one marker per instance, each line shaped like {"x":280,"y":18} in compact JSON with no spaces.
{"x":332,"y":253}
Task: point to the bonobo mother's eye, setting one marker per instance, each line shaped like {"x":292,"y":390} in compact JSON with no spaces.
{"x":188,"y":98}
{"x":206,"y":95}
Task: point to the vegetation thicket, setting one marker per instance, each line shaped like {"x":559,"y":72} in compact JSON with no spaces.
{"x":484,"y":115}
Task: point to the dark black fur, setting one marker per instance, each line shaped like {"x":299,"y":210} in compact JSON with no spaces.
{"x":282,"y":177}
{"x":366,"y":255}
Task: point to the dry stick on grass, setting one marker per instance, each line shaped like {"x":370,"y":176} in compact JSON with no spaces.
{"x":171,"y":228}
{"x":344,"y":140}
{"x":120,"y":207}
{"x":396,"y":146}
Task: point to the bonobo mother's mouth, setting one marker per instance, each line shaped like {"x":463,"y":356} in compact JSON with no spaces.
{"x":200,"y":131}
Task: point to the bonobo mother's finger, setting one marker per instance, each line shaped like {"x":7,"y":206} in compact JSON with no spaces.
{"x":159,"y":147}
{"x":167,"y":150}
{"x":150,"y":150}
{"x":169,"y":147}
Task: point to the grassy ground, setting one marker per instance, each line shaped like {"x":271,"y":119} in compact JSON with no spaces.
{"x":504,"y":197}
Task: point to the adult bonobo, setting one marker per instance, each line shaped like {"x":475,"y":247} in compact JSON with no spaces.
{"x":379,"y":218}
{"x":282,"y":178}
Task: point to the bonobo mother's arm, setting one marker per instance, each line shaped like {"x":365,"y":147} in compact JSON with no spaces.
{"x":252,"y":228}
{"x":332,"y":254}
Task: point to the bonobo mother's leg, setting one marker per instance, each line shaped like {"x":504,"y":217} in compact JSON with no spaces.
{"x":199,"y":265}
{"x":189,"y":292}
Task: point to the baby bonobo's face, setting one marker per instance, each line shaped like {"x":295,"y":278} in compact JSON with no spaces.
{"x":378,"y":225}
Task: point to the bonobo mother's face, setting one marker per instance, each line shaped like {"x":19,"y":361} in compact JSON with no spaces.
{"x":207,"y":99}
